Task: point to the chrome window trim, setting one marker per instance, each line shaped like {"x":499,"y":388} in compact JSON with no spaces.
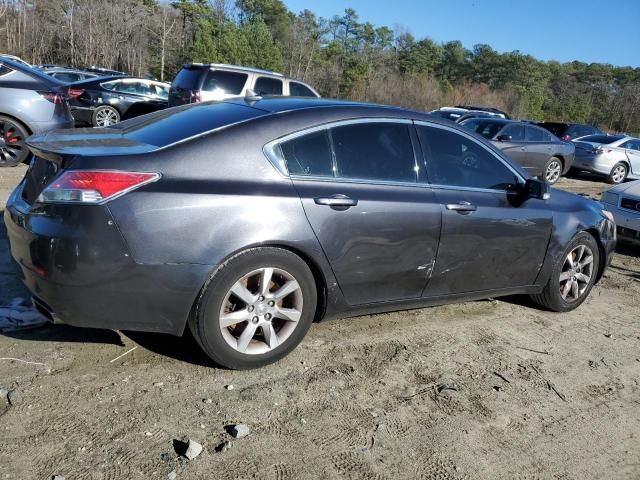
{"x":274,"y":154}
{"x":471,"y":138}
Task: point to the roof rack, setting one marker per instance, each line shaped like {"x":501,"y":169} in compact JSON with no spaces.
{"x":236,"y":67}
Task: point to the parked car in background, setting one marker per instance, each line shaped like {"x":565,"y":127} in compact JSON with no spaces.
{"x":68,"y":75}
{"x":30,"y":102}
{"x":105,"y":101}
{"x":477,"y":108}
{"x":248,"y":220}
{"x":197,"y":82}
{"x":569,"y":131}
{"x":458,"y":114}
{"x":623,"y":201}
{"x":537,"y":150}
{"x":104,"y":72}
{"x":475,"y":114}
{"x":617,"y":157}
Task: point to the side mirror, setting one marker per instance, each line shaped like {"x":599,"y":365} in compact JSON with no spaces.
{"x":535,"y":188}
{"x":504,"y":138}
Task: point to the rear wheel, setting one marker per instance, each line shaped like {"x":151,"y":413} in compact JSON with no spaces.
{"x":573,"y":276}
{"x":105,"y":115}
{"x":13,"y":149}
{"x":618,"y":173}
{"x":553,"y":170}
{"x":256,"y":309}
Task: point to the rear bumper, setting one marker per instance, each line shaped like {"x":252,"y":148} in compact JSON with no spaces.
{"x":76,"y":265}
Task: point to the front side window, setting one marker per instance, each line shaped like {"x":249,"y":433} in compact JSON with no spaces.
{"x":535,"y":134}
{"x":632,"y":145}
{"x":374,"y":151}
{"x":268,"y":86}
{"x":221,"y":81}
{"x":458,"y":161}
{"x":299,"y":90}
{"x":309,"y":155}
{"x":515,"y":131}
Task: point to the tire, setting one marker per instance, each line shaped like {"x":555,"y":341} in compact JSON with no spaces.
{"x":104,"y":116}
{"x":553,"y":170}
{"x":13,"y":149}
{"x":554,"y":296}
{"x":618,"y":173}
{"x":242,"y":277}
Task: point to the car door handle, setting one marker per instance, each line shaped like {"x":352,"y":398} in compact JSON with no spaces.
{"x":462,"y":207}
{"x":524,"y":149}
{"x":336,"y":201}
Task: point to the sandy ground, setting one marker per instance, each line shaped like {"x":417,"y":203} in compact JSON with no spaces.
{"x":490,"y":389}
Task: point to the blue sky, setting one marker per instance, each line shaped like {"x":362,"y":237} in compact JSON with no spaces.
{"x":606,"y":31}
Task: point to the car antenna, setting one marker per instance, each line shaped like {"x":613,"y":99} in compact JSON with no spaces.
{"x":251,"y":97}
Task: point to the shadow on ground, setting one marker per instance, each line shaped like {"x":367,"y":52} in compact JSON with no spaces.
{"x":183,"y":349}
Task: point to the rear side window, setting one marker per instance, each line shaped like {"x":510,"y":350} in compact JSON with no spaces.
{"x":299,"y":90}
{"x":67,"y":76}
{"x":268,"y":86}
{"x":374,"y":151}
{"x":632,"y":145}
{"x":484,"y":128}
{"x":187,"y":78}
{"x":455,"y":160}
{"x":230,"y":83}
{"x":309,"y":155}
{"x":516,"y":132}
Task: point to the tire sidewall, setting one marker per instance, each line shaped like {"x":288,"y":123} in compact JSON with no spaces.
{"x":207,"y":313}
{"x":582,"y":238}
{"x":104,"y":107}
{"x":24,"y":133}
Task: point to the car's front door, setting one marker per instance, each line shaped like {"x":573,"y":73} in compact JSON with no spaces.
{"x":632,"y":149}
{"x":492,"y":238}
{"x":377,"y":226}
{"x":539,"y":150}
{"x":512,"y":141}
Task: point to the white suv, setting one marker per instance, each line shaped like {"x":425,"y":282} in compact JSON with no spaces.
{"x":197,"y":82}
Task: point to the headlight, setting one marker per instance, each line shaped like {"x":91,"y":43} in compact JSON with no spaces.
{"x":610,"y":198}
{"x":608,"y":214}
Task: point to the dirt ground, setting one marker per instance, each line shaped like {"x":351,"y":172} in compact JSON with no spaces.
{"x":489,"y":389}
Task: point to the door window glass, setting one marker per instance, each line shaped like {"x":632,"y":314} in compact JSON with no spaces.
{"x":455,"y":160}
{"x":268,"y":86}
{"x":309,"y":155}
{"x":374,"y":151}
{"x":535,"y":134}
{"x":299,"y":90}
{"x":515,"y":131}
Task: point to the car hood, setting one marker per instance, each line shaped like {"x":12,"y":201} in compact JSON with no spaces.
{"x":571,"y":202}
{"x":630,"y":188}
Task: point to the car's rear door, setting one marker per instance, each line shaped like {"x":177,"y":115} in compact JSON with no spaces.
{"x":378,"y":227}
{"x":492,"y":238}
{"x":539,"y":149}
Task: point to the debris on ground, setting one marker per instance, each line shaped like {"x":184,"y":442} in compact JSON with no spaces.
{"x":4,"y":393}
{"x":193,"y":450}
{"x":207,"y":401}
{"x":229,"y":387}
{"x":14,"y":396}
{"x":17,"y":316}
{"x":238,"y":431}
{"x":57,"y":477}
{"x":172,"y":475}
{"x":224,"y":446}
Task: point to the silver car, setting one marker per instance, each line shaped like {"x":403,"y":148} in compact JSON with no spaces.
{"x":30,"y":102}
{"x":615,"y":156}
{"x":624,"y":202}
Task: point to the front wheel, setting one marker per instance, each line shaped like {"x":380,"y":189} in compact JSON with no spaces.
{"x":618,"y":173}
{"x":573,"y":276}
{"x":256,"y":309}
{"x":552,"y":170}
{"x":104,"y":116}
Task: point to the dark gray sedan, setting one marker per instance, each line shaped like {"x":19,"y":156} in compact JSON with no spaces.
{"x":247,"y":220}
{"x":540,"y":152}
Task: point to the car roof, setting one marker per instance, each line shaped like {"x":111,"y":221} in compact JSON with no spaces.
{"x":240,"y":68}
{"x":32,"y":72}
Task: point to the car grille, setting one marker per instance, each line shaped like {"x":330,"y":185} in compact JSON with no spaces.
{"x":630,"y":204}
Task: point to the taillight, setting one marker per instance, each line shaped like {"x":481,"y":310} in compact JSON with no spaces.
{"x":93,"y":187}
{"x":566,"y":138}
{"x":195,"y":96}
{"x":56,"y":98}
{"x":75,"y":92}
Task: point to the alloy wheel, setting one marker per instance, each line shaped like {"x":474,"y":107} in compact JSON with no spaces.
{"x":261,"y":311}
{"x":12,"y":146}
{"x":106,"y":117}
{"x":576,"y":274}
{"x":554,"y":170}
{"x":619,"y":173}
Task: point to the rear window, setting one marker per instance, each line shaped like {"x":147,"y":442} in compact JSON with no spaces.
{"x":604,"y":139}
{"x":187,"y":78}
{"x":230,"y":83}
{"x":165,"y":127}
{"x":299,"y":90}
{"x":484,"y":128}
